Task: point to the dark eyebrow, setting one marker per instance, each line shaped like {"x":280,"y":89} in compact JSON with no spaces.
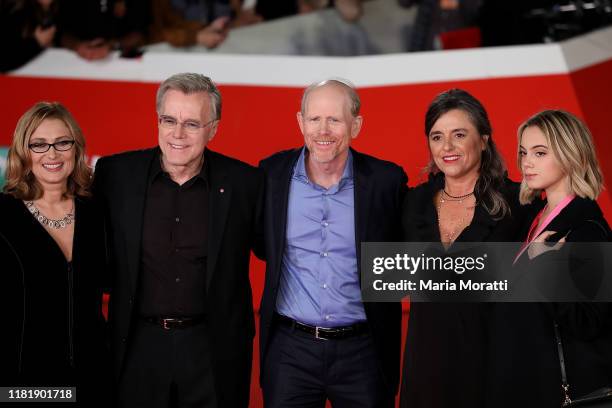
{"x":42,"y":140}
{"x":452,"y":131}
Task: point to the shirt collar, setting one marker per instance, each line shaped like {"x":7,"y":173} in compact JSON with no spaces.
{"x":156,"y":169}
{"x":299,"y":170}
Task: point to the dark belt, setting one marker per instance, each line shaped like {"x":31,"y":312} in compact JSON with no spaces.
{"x":324,"y":333}
{"x":168,"y":323}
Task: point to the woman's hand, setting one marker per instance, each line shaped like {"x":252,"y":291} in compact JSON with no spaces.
{"x":540,"y":246}
{"x":213,"y":34}
{"x":44,"y":36}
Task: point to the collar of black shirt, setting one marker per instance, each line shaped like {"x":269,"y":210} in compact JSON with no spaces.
{"x":156,"y":171}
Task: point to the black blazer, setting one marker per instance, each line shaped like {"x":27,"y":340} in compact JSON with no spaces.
{"x":236,"y":188}
{"x":523,"y":364}
{"x":53,"y":309}
{"x":444,"y":358}
{"x":379,"y":189}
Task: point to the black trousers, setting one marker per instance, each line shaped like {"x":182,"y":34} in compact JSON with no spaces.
{"x":302,"y":371}
{"x":168,"y":368}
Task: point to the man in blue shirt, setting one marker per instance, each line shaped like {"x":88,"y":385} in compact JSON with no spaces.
{"x":318,"y":339}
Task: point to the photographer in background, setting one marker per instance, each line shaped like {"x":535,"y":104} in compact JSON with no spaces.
{"x":435,"y":17}
{"x":92,"y":28}
{"x":26,"y":27}
{"x":185,"y":23}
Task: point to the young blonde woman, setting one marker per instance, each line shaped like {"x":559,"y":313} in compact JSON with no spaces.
{"x":557,"y":157}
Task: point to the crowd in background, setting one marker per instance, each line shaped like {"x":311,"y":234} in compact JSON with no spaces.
{"x":93,"y":28}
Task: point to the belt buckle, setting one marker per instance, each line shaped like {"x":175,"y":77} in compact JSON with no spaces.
{"x":165,"y":324}
{"x":317,"y":333}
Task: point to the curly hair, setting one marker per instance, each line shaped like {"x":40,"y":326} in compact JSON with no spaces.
{"x":492,"y":172}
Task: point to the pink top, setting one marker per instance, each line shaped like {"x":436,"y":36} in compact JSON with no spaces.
{"x":534,"y":234}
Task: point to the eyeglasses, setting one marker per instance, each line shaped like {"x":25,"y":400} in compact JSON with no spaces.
{"x":61,"y":146}
{"x":189,"y":126}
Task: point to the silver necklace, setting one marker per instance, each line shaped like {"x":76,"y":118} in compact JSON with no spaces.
{"x":55,"y":224}
{"x":460,"y":226}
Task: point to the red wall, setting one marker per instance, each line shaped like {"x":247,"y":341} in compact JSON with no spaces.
{"x":258,"y":121}
{"x":593,"y":88}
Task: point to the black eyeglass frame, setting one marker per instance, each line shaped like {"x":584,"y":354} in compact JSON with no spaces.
{"x":54,"y":145}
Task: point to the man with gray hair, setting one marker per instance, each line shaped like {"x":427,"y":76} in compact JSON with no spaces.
{"x":181,"y":222}
{"x":318,"y":341}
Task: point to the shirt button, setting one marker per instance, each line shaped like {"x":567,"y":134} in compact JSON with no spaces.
{"x":323,"y":254}
{"x":177,"y":219}
{"x":178,"y":280}
{"x":325,"y":223}
{"x":325,"y":286}
{"x":327,"y":317}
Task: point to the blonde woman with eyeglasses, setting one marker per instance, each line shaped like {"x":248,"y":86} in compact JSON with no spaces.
{"x":52,"y":249}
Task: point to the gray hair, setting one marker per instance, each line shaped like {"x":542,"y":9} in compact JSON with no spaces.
{"x":345,"y":84}
{"x":190,"y":83}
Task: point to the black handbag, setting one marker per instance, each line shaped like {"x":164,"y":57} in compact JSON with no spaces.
{"x":600,"y":398}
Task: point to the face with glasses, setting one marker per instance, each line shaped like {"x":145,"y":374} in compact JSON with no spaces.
{"x":52,"y":152}
{"x":186,"y":125}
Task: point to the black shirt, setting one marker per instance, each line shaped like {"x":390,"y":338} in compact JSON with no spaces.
{"x":174,"y":245}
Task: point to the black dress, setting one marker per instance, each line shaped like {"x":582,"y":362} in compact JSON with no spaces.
{"x":523,"y":364}
{"x":53,"y":331}
{"x":444,"y":358}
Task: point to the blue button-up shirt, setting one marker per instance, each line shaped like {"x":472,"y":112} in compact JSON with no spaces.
{"x":319,"y":283}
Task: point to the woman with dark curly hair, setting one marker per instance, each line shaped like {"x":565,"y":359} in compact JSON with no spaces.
{"x":467,"y":199}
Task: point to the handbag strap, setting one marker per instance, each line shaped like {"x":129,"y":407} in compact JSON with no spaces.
{"x":564,"y":385}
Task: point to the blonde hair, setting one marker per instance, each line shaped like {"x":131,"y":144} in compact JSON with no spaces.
{"x":20,"y":181}
{"x":572,"y":144}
